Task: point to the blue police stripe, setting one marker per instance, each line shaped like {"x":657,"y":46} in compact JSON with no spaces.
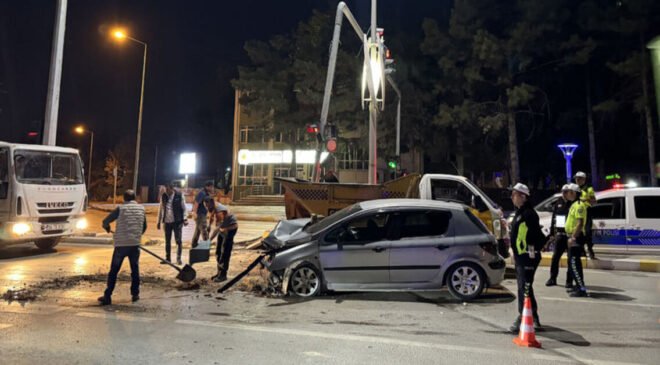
{"x":646,"y":237}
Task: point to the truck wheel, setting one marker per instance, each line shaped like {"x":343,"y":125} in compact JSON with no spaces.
{"x":465,"y":281}
{"x":47,"y":243}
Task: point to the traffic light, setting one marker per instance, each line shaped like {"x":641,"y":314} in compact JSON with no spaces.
{"x":392,"y":164}
{"x":312,"y":128}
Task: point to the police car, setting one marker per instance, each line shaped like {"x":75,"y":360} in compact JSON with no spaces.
{"x":620,"y":216}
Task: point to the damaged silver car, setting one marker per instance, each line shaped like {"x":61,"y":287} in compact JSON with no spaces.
{"x":385,"y":245}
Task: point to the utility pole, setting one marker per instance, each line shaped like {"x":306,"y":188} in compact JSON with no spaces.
{"x":373,"y":112}
{"x":55,"y":76}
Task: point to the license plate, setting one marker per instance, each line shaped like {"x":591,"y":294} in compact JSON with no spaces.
{"x":53,"y":227}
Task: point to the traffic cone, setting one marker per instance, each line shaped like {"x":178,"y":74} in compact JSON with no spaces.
{"x":527,"y":338}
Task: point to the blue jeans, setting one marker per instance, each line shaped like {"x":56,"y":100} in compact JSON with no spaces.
{"x":133,"y":254}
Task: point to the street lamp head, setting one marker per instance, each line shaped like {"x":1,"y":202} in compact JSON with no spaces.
{"x":118,"y":34}
{"x":79,"y":129}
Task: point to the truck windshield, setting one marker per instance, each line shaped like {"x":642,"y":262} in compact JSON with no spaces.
{"x":47,"y":168}
{"x":484,"y":195}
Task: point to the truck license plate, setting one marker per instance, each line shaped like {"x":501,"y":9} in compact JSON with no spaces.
{"x":53,"y":227}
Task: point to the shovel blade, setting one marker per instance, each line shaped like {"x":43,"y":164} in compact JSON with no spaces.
{"x":187,"y":274}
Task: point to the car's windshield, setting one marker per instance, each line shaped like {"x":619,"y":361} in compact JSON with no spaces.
{"x":47,"y":168}
{"x":328,"y":221}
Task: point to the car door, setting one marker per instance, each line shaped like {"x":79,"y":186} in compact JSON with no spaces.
{"x":425,"y":240}
{"x":5,"y":197}
{"x":356,"y":251}
{"x":643,"y":225}
{"x":609,"y":220}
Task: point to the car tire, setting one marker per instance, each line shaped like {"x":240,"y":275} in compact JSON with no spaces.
{"x":305,"y":281}
{"x":465,"y":281}
{"x":47,"y":243}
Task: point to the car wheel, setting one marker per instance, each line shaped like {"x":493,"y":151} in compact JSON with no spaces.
{"x":47,"y":243}
{"x":465,"y":281}
{"x":305,"y":281}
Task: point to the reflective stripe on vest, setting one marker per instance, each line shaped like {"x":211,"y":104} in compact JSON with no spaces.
{"x":521,"y":240}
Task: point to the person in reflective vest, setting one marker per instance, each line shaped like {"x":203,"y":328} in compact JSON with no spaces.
{"x":558,"y":233}
{"x":588,"y":198}
{"x":527,"y":240}
{"x":575,"y":229}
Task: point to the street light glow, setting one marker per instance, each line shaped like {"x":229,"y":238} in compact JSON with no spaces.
{"x":79,"y":129}
{"x":119,"y":34}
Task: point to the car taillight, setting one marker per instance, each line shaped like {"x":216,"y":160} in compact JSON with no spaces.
{"x":489,"y":247}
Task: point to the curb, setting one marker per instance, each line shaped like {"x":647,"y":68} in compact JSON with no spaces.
{"x":623,"y":264}
{"x":88,"y":240}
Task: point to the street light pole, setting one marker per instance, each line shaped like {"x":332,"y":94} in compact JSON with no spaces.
{"x":567,"y":150}
{"x":91,"y":150}
{"x":120,"y":34}
{"x":139,"y":129}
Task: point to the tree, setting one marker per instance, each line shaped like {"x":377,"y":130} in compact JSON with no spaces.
{"x":283,"y":87}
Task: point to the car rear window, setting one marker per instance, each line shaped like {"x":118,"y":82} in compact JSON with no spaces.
{"x":477,"y":222}
{"x":647,"y":207}
{"x":424,"y":223}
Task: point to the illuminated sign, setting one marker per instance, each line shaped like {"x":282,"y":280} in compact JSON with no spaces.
{"x":188,"y":163}
{"x":612,"y":177}
{"x":249,"y":157}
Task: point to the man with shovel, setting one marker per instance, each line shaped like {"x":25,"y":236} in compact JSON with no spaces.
{"x":227,"y":226}
{"x":131,"y":225}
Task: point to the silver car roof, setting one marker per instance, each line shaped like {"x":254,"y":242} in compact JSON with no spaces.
{"x":409,"y":203}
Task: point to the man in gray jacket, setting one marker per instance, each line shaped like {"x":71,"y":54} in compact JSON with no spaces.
{"x":131,"y":224}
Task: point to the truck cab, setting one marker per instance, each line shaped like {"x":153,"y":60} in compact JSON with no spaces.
{"x":42,"y":194}
{"x":461,"y":190}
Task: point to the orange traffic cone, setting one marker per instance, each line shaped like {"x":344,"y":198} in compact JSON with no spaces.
{"x":527,"y":338}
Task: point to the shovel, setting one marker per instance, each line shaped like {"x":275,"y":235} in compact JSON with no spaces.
{"x":186,"y":274}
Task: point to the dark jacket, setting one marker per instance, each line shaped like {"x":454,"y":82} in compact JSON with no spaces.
{"x":177,"y":207}
{"x":561,"y":208}
{"x":526,"y":231}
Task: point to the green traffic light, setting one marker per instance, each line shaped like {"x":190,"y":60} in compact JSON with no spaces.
{"x":392,"y":164}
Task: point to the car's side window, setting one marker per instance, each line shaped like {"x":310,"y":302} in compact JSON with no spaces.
{"x":4,"y":172}
{"x":360,"y":230}
{"x":647,"y":207}
{"x":609,"y":208}
{"x":424,"y":223}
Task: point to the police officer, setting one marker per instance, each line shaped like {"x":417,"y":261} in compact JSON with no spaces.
{"x":527,"y":240}
{"x":559,"y":214}
{"x":588,"y":198}
{"x":575,"y":229}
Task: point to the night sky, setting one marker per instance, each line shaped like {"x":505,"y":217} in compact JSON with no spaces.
{"x":194,"y":49}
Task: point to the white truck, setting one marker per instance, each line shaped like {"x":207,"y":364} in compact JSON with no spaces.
{"x":42,"y":194}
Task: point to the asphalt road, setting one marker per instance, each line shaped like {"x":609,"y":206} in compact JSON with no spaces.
{"x":619,"y":324}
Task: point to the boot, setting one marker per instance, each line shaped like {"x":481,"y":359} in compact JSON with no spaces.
{"x":537,"y":322}
{"x":103,"y":300}
{"x":515,"y":327}
{"x":178,"y":261}
{"x":219,"y":278}
{"x":551,"y":282}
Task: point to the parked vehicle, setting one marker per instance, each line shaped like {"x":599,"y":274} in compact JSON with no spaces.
{"x":628,"y":216}
{"x":42,"y":194}
{"x":386,"y":245}
{"x":304,"y":198}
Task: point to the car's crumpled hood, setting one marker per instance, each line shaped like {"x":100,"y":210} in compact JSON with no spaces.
{"x":287,"y":233}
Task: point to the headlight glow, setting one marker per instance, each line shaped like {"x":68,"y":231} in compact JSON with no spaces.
{"x":81,"y":224}
{"x":21,"y":229}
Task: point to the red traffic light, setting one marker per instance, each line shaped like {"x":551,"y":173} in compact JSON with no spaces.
{"x":312,"y":128}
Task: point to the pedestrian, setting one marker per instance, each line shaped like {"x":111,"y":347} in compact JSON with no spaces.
{"x":131,"y":225}
{"x":527,"y":240}
{"x":575,"y":229}
{"x":330,"y":177}
{"x":200,"y":213}
{"x":228,"y":227}
{"x":172,"y":213}
{"x":558,"y":234}
{"x":588,"y":198}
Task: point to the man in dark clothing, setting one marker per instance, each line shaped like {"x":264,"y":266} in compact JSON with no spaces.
{"x":131,"y":225}
{"x":172,"y":212}
{"x":228,"y":226}
{"x":200,"y":213}
{"x":559,"y":214}
{"x":527,"y":240}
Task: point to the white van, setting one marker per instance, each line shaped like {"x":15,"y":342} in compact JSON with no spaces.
{"x":627,"y":217}
{"x":42,"y":194}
